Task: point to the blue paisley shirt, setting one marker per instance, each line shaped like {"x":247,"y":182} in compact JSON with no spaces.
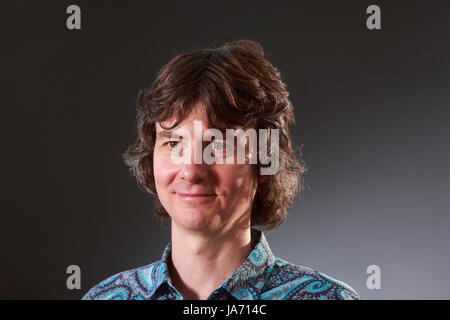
{"x":262,"y":276}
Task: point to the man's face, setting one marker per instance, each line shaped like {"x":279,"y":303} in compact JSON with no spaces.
{"x":202,"y":197}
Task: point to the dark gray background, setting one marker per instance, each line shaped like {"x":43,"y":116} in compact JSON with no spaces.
{"x":372,"y":113}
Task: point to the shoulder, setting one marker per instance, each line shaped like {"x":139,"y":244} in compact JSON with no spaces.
{"x":288,"y":281}
{"x":135,"y":284}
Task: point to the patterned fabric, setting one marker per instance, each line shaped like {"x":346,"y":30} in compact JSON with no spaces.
{"x":262,"y":276}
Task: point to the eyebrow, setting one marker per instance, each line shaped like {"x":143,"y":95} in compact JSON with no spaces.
{"x":168,"y":134}
{"x":171,"y":134}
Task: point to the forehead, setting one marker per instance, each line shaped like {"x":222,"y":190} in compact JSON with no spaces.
{"x":197,"y":113}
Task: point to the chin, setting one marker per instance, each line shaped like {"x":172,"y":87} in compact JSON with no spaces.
{"x":193,"y":219}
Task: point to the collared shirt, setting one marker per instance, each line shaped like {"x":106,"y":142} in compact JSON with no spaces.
{"x":262,"y":276}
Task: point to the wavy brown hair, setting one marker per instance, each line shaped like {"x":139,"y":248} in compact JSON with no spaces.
{"x":239,"y":86}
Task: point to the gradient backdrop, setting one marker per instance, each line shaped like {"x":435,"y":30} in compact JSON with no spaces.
{"x":372,"y":114}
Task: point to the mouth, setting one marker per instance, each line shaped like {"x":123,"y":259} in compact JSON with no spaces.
{"x":195,"y":197}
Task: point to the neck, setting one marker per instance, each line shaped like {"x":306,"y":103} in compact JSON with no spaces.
{"x":201,"y":262}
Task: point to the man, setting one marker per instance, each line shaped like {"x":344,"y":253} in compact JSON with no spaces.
{"x":214,"y":252}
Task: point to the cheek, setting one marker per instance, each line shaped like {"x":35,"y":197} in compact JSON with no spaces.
{"x":162,"y":171}
{"x":239,"y":179}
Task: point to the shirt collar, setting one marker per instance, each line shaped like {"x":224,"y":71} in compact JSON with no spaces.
{"x":245,"y":283}
{"x":248,"y":280}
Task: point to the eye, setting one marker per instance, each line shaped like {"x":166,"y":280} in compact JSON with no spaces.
{"x":219,"y":146}
{"x":172,"y":144}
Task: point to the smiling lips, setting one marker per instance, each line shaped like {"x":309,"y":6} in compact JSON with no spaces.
{"x":195,"y":197}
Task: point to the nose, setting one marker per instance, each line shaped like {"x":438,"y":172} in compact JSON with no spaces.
{"x":194,"y":172}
